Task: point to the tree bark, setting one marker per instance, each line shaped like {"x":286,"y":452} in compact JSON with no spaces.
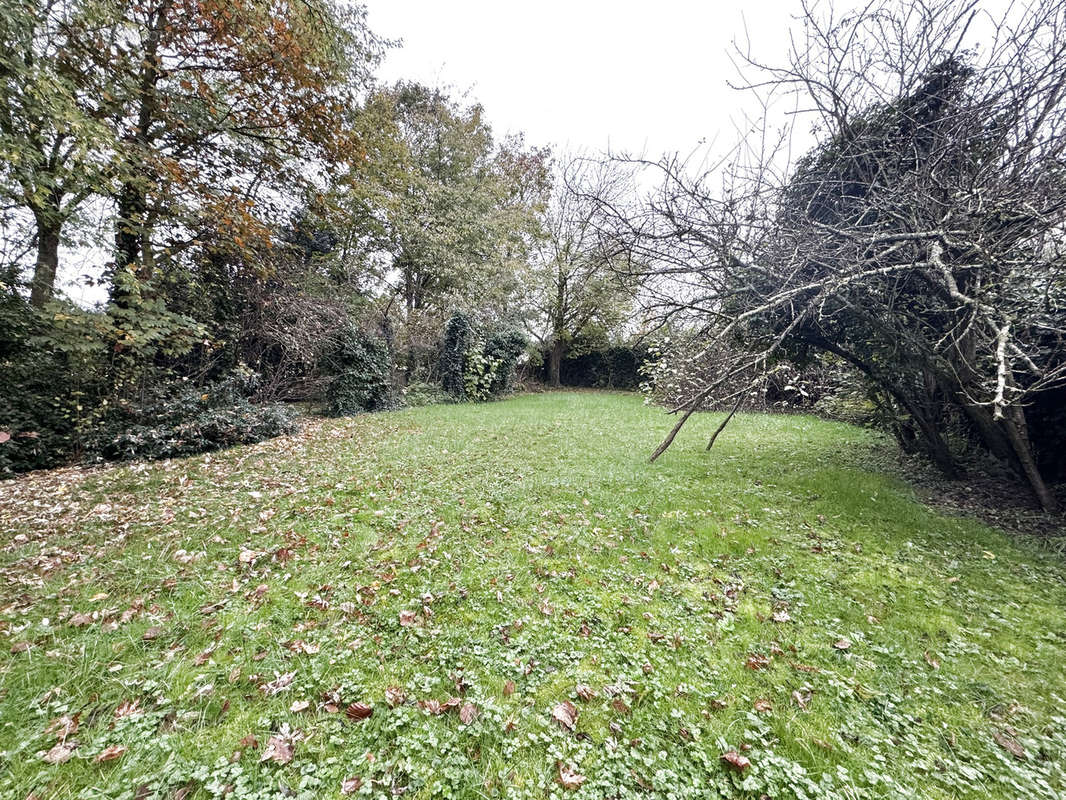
{"x":1017,"y":433}
{"x":44,"y":273}
{"x":555,"y":362}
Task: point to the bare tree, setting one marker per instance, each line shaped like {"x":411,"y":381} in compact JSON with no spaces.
{"x":920,"y":241}
{"x":571,"y":285}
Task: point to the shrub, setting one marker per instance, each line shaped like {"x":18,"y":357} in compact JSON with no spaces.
{"x":458,"y":339}
{"x":601,"y":367}
{"x":361,"y":366}
{"x":421,"y":393}
{"x":182,"y":419}
{"x":51,"y":384}
{"x":478,"y":363}
{"x":504,"y":346}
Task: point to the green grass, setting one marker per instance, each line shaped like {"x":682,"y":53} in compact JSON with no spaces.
{"x":533,"y":544}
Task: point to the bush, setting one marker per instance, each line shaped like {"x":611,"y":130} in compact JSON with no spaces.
{"x":601,"y":367}
{"x":458,"y":340}
{"x":504,"y":346}
{"x":361,"y":366}
{"x":184,"y":419}
{"x":51,"y":384}
{"x":421,"y":393}
{"x":478,"y":364}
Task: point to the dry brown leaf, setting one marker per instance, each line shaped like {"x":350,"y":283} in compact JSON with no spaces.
{"x":757,"y":661}
{"x":736,"y":760}
{"x":468,"y":713}
{"x":1010,"y":744}
{"x":569,"y":777}
{"x":128,"y":708}
{"x":110,"y":754}
{"x":279,"y":684}
{"x":395,"y":696}
{"x":357,"y":711}
{"x":278,"y":750}
{"x":842,"y":644}
{"x":351,"y":785}
{"x":802,"y":698}
{"x":64,"y":726}
{"x":762,"y":705}
{"x":508,"y":689}
{"x":61,"y":753}
{"x":565,"y":713}
{"x":585,"y":692}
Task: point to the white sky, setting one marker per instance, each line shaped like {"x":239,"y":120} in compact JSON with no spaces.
{"x":583,"y":75}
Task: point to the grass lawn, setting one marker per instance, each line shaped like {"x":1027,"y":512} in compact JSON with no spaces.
{"x":507,"y":600}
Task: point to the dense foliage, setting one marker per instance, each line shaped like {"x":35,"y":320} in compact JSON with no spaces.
{"x":258,"y":204}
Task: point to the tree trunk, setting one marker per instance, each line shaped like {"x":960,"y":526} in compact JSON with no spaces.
{"x":1017,"y":433}
{"x":44,"y":273}
{"x":555,"y":362}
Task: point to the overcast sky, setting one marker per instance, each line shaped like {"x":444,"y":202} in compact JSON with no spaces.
{"x":587,"y":75}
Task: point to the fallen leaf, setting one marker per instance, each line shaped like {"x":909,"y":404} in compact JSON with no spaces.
{"x":736,"y":760}
{"x":278,"y":749}
{"x":80,"y":620}
{"x":569,"y":777}
{"x":468,"y":713}
{"x":395,"y":696}
{"x":585,"y":692}
{"x":1010,"y":744}
{"x":431,"y":705}
{"x":763,"y":705}
{"x":60,"y":753}
{"x":407,"y":618}
{"x":842,"y":644}
{"x":757,"y":661}
{"x":152,"y":633}
{"x":128,"y":708}
{"x":298,"y":706}
{"x":278,"y":684}
{"x":931,"y":660}
{"x":64,"y":726}
{"x":508,"y":689}
{"x":110,"y":753}
{"x":357,"y":711}
{"x":802,"y":698}
{"x":351,"y":785}
{"x":565,"y":713}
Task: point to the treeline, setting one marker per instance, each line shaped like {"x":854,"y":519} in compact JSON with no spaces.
{"x":264,"y":224}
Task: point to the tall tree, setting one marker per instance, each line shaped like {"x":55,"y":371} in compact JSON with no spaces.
{"x":56,"y":149}
{"x":225,"y":106}
{"x":442,"y":212}
{"x":571,"y":285}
